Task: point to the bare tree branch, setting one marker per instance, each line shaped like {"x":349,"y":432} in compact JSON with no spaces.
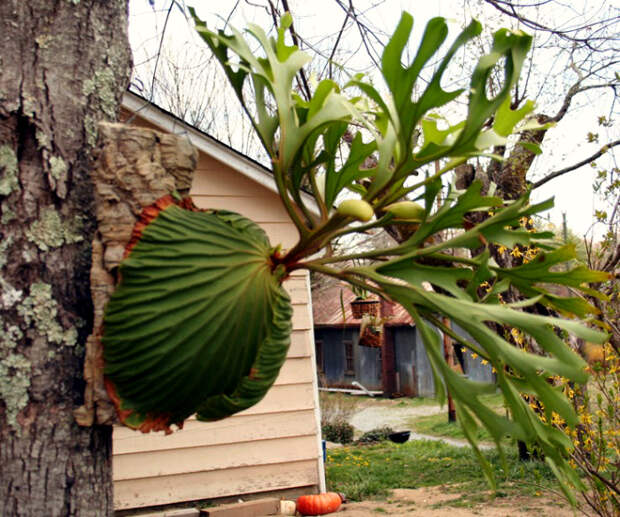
{"x":363,"y":30}
{"x":592,"y":30}
{"x":333,"y":52}
{"x":574,"y":90}
{"x":589,"y":159}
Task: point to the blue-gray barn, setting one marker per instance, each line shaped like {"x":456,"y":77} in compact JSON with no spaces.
{"x":400,"y":366}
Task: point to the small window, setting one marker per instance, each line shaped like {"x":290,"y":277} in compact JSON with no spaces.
{"x":318,"y":347}
{"x":349,"y":367}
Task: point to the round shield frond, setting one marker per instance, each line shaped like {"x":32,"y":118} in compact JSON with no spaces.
{"x":199,"y":321}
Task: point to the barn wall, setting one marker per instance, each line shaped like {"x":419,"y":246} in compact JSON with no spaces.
{"x":273,"y":445}
{"x":366,"y":360}
{"x":424,"y":373}
{"x":331,"y":342}
{"x":406,"y":368}
{"x":412,"y":366}
{"x":368,"y":367}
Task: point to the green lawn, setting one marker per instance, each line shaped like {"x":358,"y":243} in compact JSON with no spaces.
{"x":416,"y":402}
{"x":363,"y":472}
{"x":438,"y":425}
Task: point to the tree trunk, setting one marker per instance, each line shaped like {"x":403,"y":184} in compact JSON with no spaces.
{"x":64,"y":65}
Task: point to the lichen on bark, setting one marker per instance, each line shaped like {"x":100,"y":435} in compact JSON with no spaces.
{"x":8,"y":168}
{"x":4,"y":246}
{"x":14,"y":384}
{"x":40,"y":311}
{"x":48,"y":50}
{"x":14,"y":373}
{"x":58,"y":167}
{"x":50,"y":231}
{"x":9,"y":296}
{"x":90,"y":128}
{"x":103,"y":83}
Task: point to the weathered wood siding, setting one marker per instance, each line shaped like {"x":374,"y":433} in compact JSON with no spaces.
{"x":271,"y":446}
{"x":366,"y":361}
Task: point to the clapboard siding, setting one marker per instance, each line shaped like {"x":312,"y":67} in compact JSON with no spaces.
{"x":265,"y":210}
{"x":248,"y":428}
{"x":295,"y":370}
{"x":300,"y":344}
{"x":302,"y":320}
{"x":283,"y":398}
{"x":214,"y":178}
{"x":297,"y":288}
{"x":270,"y":446}
{"x":198,"y":459}
{"x":211,"y":484}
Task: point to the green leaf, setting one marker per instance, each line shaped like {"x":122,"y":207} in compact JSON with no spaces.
{"x":430,"y":194}
{"x":433,"y":135}
{"x":434,"y":95}
{"x":417,"y":274}
{"x":452,"y":215}
{"x":400,"y":80}
{"x":286,"y":21}
{"x":199,"y":321}
{"x":506,"y":118}
{"x":336,"y":181}
{"x":513,"y":46}
{"x":540,"y":270}
{"x":533,"y":148}
{"x":488,"y":139}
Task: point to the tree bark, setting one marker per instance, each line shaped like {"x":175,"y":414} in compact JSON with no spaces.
{"x":64,"y":66}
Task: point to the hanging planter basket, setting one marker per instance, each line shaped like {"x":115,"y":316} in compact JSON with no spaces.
{"x":361,"y":307}
{"x":371,"y":337}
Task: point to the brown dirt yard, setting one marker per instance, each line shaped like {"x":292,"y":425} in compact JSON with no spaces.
{"x":435,"y":502}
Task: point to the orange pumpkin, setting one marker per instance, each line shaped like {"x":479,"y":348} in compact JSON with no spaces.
{"x":318,"y":504}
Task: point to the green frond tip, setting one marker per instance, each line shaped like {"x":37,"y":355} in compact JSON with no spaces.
{"x":199,"y":321}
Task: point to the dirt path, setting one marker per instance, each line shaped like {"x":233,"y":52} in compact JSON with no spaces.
{"x":398,"y":418}
{"x":431,"y":502}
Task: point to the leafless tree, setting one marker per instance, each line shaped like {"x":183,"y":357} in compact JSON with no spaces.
{"x":180,"y":75}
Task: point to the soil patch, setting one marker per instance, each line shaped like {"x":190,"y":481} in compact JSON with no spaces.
{"x":439,"y":502}
{"x":396,"y":417}
{"x":399,"y":419}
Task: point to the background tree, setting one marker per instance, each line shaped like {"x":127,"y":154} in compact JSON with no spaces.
{"x":65,"y":66}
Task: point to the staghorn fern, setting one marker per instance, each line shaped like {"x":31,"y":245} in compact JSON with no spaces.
{"x":168,"y":349}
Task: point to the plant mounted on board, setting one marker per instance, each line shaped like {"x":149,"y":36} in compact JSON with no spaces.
{"x":193,"y":279}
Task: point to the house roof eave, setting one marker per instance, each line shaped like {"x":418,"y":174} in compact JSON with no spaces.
{"x":204,"y":142}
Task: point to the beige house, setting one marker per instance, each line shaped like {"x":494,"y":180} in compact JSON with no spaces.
{"x":273,"y":447}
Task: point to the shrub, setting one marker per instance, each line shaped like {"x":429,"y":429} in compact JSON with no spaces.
{"x":379,"y":434}
{"x":336,"y":407}
{"x":339,"y":432}
{"x":596,"y":439}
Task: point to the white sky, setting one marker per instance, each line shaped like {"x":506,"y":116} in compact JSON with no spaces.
{"x":564,"y":145}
